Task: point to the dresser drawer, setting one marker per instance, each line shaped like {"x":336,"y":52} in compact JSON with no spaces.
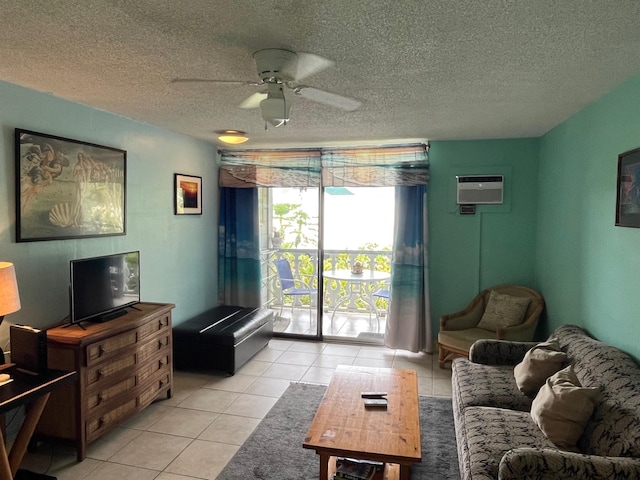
{"x":152,"y":367}
{"x":161,"y":322}
{"x":109,"y":369}
{"x":96,"y":399}
{"x":149,"y":394}
{"x":150,"y":348}
{"x":96,"y":352}
{"x":98,"y":425}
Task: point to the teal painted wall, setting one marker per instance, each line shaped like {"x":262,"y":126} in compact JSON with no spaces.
{"x":469,"y":253}
{"x":587,"y":268}
{"x":178,"y":253}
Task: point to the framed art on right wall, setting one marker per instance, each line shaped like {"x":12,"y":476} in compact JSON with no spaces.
{"x":628,"y":189}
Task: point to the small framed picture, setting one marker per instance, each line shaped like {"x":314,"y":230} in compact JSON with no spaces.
{"x":628,"y":193}
{"x":187,"y":194}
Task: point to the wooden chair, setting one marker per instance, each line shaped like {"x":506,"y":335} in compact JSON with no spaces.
{"x":459,"y":330}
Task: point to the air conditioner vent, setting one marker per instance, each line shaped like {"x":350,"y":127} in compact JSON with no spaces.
{"x":479,"y":189}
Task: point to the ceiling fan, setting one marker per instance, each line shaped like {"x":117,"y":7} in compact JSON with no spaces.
{"x":281,"y":71}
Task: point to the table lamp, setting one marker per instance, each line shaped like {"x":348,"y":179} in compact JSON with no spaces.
{"x":9,"y":296}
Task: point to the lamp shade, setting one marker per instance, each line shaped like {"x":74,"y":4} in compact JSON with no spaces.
{"x":9,"y":296}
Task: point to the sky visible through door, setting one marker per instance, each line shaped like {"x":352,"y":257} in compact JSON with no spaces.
{"x":353,"y":218}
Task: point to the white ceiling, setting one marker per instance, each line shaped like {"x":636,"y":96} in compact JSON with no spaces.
{"x":440,"y":69}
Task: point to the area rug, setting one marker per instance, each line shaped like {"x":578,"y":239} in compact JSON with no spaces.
{"x":274,"y":450}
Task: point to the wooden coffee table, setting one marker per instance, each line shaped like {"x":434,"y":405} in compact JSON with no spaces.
{"x":343,"y":427}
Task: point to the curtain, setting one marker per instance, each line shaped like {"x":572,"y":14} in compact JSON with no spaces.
{"x":409,"y":321}
{"x":242,"y":173}
{"x":238,"y":248}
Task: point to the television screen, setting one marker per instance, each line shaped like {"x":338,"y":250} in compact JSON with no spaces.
{"x":101,"y":287}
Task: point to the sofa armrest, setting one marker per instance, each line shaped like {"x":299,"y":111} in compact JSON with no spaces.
{"x":551,"y":464}
{"x":499,"y":352}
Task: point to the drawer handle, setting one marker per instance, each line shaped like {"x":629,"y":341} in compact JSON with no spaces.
{"x":161,"y":343}
{"x":100,"y":398}
{"x":102,"y":350}
{"x":99,"y":373}
{"x":161,"y":363}
{"x":102,"y":422}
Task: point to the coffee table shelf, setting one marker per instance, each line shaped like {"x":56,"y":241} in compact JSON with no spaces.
{"x":391,"y":471}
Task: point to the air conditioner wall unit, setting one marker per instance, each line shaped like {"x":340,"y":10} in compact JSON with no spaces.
{"x":479,"y":189}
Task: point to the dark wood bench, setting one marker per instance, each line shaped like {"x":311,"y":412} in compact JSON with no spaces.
{"x":223,"y":338}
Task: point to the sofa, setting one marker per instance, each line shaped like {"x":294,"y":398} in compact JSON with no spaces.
{"x":497,"y":436}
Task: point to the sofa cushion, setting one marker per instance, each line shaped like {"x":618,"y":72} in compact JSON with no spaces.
{"x":488,"y":433}
{"x":562,"y":408}
{"x":477,"y":384}
{"x":538,"y":364}
{"x":503,"y":311}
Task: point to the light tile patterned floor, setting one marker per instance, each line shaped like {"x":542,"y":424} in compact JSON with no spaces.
{"x":194,"y":434}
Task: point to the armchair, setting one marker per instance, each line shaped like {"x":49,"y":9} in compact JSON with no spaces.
{"x":458,"y":331}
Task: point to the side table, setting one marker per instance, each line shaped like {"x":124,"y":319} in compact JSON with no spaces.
{"x":30,"y":390}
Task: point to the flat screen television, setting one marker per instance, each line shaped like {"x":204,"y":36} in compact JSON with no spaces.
{"x":102,"y":287}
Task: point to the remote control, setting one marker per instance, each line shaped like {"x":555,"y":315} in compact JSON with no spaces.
{"x":375,"y":402}
{"x":373,"y":394}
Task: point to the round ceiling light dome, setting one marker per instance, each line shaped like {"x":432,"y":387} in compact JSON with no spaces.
{"x":232,"y":137}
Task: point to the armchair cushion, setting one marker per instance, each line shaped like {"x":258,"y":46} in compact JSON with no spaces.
{"x":503,"y":311}
{"x":562,"y":408}
{"x":538,"y":364}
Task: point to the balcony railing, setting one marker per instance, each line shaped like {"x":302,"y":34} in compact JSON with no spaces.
{"x":304,"y":264}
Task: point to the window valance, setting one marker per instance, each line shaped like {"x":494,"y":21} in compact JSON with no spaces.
{"x":381,"y":166}
{"x":376,"y":167}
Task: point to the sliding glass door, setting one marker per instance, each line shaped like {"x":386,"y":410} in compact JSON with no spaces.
{"x":289,"y":227}
{"x":357,"y":243}
{"x":356,"y":260}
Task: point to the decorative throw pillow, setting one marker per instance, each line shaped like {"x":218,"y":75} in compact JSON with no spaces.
{"x":503,"y":311}
{"x":562,"y":408}
{"x":538,"y":364}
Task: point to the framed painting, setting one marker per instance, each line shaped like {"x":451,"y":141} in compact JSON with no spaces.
{"x":628,"y":189}
{"x":187,"y":194}
{"x":67,"y":188}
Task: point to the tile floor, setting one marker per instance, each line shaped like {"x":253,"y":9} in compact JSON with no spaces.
{"x":195,"y":433}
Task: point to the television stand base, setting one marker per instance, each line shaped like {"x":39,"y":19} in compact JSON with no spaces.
{"x":109,"y":316}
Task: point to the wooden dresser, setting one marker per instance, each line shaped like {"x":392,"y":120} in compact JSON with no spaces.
{"x":123,"y":365}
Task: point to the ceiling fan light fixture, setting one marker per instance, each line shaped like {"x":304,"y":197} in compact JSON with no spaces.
{"x":232,"y":137}
{"x":275,"y":111}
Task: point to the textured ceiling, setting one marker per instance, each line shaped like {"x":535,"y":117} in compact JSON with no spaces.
{"x":441,"y":69}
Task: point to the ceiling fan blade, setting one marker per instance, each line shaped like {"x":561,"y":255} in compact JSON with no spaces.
{"x":309,"y":64}
{"x":209,"y":80}
{"x":253,"y":101}
{"x":328,"y":98}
